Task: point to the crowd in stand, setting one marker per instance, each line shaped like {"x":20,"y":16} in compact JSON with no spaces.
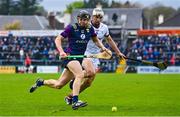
{"x":156,"y":48}
{"x":152,"y":48}
{"x":38,"y":48}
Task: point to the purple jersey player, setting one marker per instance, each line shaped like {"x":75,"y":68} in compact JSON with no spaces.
{"x":78,"y":35}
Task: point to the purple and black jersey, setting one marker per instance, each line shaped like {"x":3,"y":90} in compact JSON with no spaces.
{"x":78,"y":38}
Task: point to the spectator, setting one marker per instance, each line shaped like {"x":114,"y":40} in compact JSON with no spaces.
{"x":27,"y":63}
{"x":173,"y":59}
{"x":21,"y":53}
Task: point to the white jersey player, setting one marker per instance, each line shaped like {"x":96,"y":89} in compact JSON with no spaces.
{"x":102,"y":33}
{"x":90,"y":64}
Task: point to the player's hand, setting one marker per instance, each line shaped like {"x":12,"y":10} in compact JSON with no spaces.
{"x":107,"y":51}
{"x":103,"y":49}
{"x":63,"y":55}
{"x":122,"y":56}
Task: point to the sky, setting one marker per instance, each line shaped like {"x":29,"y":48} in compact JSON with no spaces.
{"x":60,"y":5}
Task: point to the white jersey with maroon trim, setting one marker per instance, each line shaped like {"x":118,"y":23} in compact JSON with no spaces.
{"x":102,"y":32}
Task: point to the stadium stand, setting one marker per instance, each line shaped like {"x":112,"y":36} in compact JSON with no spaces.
{"x":41,"y":50}
{"x":156,"y":48}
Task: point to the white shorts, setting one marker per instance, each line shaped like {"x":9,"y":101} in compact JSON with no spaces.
{"x":95,"y":61}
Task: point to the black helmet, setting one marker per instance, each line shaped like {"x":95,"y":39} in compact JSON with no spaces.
{"x":84,"y":14}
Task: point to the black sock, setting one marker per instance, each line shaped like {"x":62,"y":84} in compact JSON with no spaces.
{"x":75,"y":99}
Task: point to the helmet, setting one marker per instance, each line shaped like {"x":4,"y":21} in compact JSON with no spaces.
{"x":98,"y":11}
{"x":84,"y":14}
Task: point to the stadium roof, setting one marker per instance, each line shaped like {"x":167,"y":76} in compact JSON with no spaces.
{"x":171,"y":23}
{"x":133,"y":17}
{"x":27,"y":22}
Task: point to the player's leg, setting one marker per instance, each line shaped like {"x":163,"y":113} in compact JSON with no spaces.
{"x":90,"y":69}
{"x":76,"y":68}
{"x":91,"y":72}
{"x":62,"y":81}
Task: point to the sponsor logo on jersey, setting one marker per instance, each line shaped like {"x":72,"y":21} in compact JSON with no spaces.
{"x":81,"y":41}
{"x":83,"y":36}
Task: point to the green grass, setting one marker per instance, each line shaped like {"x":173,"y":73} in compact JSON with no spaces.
{"x":132,"y":94}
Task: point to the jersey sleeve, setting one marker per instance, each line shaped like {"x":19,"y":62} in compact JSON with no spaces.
{"x":66,"y":32}
{"x":107,"y":31}
{"x":93,"y":34}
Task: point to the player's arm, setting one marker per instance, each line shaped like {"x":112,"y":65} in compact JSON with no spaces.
{"x":114,"y":46}
{"x":58,"y":42}
{"x":98,"y":43}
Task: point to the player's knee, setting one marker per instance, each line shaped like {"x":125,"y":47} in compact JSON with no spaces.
{"x":80,"y":75}
{"x":91,"y":73}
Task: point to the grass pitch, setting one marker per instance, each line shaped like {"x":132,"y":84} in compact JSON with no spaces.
{"x":132,"y":94}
